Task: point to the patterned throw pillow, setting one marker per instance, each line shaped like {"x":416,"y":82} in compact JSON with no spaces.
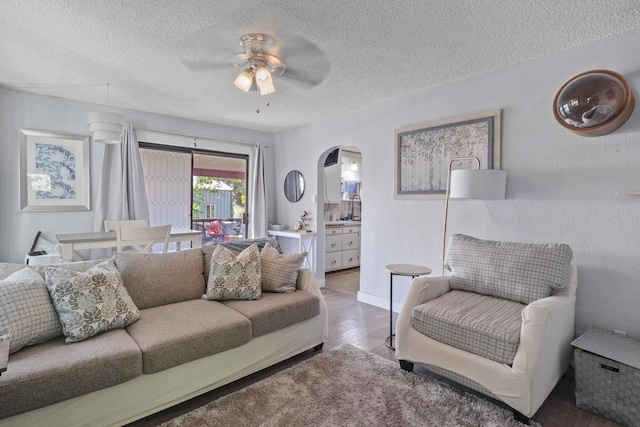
{"x":234,"y":277}
{"x":91,"y":302}
{"x":521,"y":272}
{"x":279,"y":271}
{"x":27,"y":316}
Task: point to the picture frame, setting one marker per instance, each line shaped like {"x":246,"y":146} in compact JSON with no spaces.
{"x":423,"y":152}
{"x":54,"y":171}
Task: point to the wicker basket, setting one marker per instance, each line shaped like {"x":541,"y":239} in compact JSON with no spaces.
{"x":604,"y":385}
{"x":277,"y":227}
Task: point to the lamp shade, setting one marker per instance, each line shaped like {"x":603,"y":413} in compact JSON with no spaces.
{"x":244,"y":80}
{"x":478,"y":184}
{"x":264,"y":81}
{"x":106,"y":127}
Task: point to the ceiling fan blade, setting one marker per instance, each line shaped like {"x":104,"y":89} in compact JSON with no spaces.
{"x":307,"y":66}
{"x":203,"y":65}
{"x":304,"y":79}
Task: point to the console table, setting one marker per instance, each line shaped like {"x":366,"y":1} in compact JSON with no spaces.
{"x":104,"y":240}
{"x":400,"y":270}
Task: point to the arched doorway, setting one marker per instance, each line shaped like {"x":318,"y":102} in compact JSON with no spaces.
{"x":339,"y":215}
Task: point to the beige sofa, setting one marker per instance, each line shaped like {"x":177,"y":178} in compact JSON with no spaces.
{"x":181,"y":346}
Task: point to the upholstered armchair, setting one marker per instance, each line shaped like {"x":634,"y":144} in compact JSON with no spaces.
{"x":501,"y":324}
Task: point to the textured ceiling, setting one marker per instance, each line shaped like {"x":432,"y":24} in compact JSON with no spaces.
{"x":176,"y":57}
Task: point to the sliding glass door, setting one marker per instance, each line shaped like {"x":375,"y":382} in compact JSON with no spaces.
{"x":201,"y":190}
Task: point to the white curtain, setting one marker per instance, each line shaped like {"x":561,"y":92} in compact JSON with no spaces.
{"x":258,"y":197}
{"x":121,"y":191}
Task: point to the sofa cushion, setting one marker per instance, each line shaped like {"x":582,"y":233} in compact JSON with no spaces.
{"x":275,"y":311}
{"x":234,"y":277}
{"x":279,"y":271}
{"x":159,"y":279}
{"x":173,"y":334}
{"x":54,"y":371}
{"x":521,"y":272}
{"x":27,"y":315}
{"x":235,"y":246}
{"x":91,"y":302}
{"x":479,"y":324}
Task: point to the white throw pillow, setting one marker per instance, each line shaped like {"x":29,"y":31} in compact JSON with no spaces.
{"x":91,"y":302}
{"x":27,"y":315}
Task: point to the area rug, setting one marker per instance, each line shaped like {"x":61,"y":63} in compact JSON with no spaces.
{"x":347,"y":387}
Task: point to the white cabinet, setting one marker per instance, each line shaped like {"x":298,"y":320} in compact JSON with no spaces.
{"x":342,"y":247}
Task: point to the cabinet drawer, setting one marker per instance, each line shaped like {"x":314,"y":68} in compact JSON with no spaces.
{"x":333,"y":230}
{"x":351,"y":229}
{"x":333,"y":260}
{"x":350,"y":241}
{"x":350,"y":259}
{"x":333,"y":243}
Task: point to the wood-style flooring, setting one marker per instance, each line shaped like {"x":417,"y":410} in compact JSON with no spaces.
{"x":366,"y":327}
{"x":344,"y":280}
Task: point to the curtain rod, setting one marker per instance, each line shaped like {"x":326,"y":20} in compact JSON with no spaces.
{"x":196,"y":138}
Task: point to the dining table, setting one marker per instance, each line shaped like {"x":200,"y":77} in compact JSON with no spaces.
{"x":71,"y":242}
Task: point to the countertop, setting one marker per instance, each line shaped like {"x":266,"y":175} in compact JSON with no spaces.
{"x":344,"y":222}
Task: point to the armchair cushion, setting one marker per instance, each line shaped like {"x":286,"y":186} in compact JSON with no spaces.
{"x":479,"y":324}
{"x":521,"y":272}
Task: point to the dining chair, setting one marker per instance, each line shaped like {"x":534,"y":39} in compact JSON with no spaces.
{"x":113,"y":225}
{"x":142,"y":239}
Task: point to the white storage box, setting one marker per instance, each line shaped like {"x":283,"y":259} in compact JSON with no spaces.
{"x":608,"y":375}
{"x":42,"y":259}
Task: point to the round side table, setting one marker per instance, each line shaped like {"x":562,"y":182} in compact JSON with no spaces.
{"x":400,"y":270}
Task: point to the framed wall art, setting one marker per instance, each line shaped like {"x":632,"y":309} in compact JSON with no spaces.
{"x":54,"y":171}
{"x":423,"y":152}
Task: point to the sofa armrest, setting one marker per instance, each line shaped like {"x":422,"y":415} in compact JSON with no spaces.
{"x":421,"y":290}
{"x":424,"y":289}
{"x":544,"y":352}
{"x":307,"y":282}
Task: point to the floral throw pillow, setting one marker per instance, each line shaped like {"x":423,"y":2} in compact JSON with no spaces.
{"x":234,"y":277}
{"x":91,"y":302}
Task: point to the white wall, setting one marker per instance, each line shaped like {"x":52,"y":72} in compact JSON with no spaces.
{"x":23,"y":110}
{"x":560,"y":187}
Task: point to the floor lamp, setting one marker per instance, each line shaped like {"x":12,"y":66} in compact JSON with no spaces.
{"x":471,"y":184}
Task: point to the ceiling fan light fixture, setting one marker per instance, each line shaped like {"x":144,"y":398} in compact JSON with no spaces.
{"x":244,"y":81}
{"x":264,"y":80}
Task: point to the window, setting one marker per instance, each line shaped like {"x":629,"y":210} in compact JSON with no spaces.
{"x":210,"y":211}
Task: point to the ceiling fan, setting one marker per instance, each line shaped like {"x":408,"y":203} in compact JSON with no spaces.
{"x":262,"y":63}
{"x":262,"y":58}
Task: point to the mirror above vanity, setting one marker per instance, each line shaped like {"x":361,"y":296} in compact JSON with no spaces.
{"x":294,"y":186}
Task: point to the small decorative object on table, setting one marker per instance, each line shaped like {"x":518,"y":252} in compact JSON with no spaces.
{"x":608,"y":375}
{"x":302,"y":224}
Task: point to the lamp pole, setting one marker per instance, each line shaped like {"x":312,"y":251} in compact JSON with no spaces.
{"x":446,"y":201}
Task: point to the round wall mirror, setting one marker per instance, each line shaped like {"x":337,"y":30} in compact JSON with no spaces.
{"x":294,"y":186}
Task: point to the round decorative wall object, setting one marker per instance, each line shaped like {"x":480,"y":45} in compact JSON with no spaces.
{"x":594,"y":103}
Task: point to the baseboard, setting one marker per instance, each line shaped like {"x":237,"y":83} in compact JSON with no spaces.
{"x":378,"y":302}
